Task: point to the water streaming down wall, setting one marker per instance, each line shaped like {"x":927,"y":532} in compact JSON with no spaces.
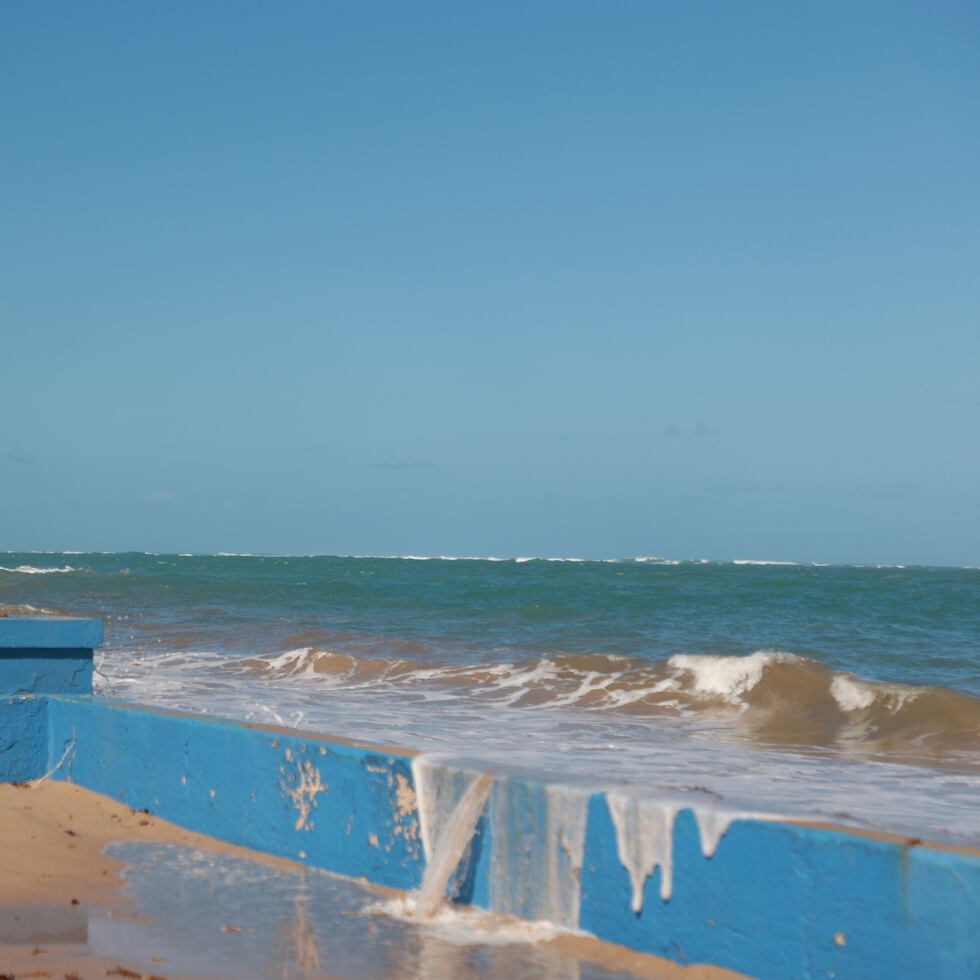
{"x":644,"y":841}
{"x":439,"y":790}
{"x":538,"y":844}
{"x":536,"y":836}
{"x":645,"y":836}
{"x":453,"y":841}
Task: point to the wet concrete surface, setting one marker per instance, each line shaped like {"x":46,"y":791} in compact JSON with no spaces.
{"x":205,"y":915}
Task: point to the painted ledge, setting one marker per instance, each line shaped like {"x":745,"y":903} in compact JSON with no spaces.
{"x":49,"y":633}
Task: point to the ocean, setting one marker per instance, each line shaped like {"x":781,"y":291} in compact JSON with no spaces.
{"x":843,"y":693}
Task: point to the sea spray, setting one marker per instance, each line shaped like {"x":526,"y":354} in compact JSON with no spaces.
{"x":451,"y":844}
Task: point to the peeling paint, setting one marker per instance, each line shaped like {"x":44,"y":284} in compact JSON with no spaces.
{"x":304,"y":793}
{"x":406,"y":823}
{"x":405,"y":802}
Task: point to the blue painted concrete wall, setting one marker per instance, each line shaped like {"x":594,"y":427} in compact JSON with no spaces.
{"x":54,"y":633}
{"x":326,"y":804}
{"x":23,"y":737}
{"x":45,"y":671}
{"x":782,"y":900}
{"x":47,"y":656}
{"x":775,"y":901}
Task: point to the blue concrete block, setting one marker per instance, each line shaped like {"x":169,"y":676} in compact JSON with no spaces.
{"x":23,"y":738}
{"x":45,"y":671}
{"x":47,"y":656}
{"x":49,"y":633}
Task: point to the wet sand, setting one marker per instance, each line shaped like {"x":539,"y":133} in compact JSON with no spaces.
{"x":52,"y":868}
{"x":51,"y":865}
{"x":52,"y":840}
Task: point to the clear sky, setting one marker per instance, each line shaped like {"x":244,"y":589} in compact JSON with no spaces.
{"x":676,"y":278}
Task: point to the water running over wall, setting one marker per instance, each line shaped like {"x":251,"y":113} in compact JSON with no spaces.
{"x":536,"y":835}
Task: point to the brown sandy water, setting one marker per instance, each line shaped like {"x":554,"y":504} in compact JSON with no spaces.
{"x":768,"y":698}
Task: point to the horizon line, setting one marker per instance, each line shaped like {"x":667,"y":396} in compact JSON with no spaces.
{"x":515,"y":559}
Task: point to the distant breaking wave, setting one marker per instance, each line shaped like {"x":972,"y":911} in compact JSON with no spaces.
{"x":524,"y":559}
{"x":32,"y":570}
{"x":754,"y":561}
{"x":770,"y":697}
{"x":518,"y":560}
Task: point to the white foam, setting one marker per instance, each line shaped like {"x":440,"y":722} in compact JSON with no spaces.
{"x":727,"y":677}
{"x":851,"y":695}
{"x":752,"y":561}
{"x":466,"y":925}
{"x":32,"y":570}
{"x":293,"y":663}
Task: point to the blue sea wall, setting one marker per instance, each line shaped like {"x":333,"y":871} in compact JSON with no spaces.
{"x":775,"y":899}
{"x":49,"y":656}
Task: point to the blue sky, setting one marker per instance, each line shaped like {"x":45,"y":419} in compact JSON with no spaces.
{"x":690,"y":279}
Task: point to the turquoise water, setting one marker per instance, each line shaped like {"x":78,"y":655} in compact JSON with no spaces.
{"x":850,"y":691}
{"x":915,"y":625}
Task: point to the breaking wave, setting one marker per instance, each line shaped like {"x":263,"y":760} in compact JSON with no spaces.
{"x":34,"y":570}
{"x":17,"y":609}
{"x":772,"y":697}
